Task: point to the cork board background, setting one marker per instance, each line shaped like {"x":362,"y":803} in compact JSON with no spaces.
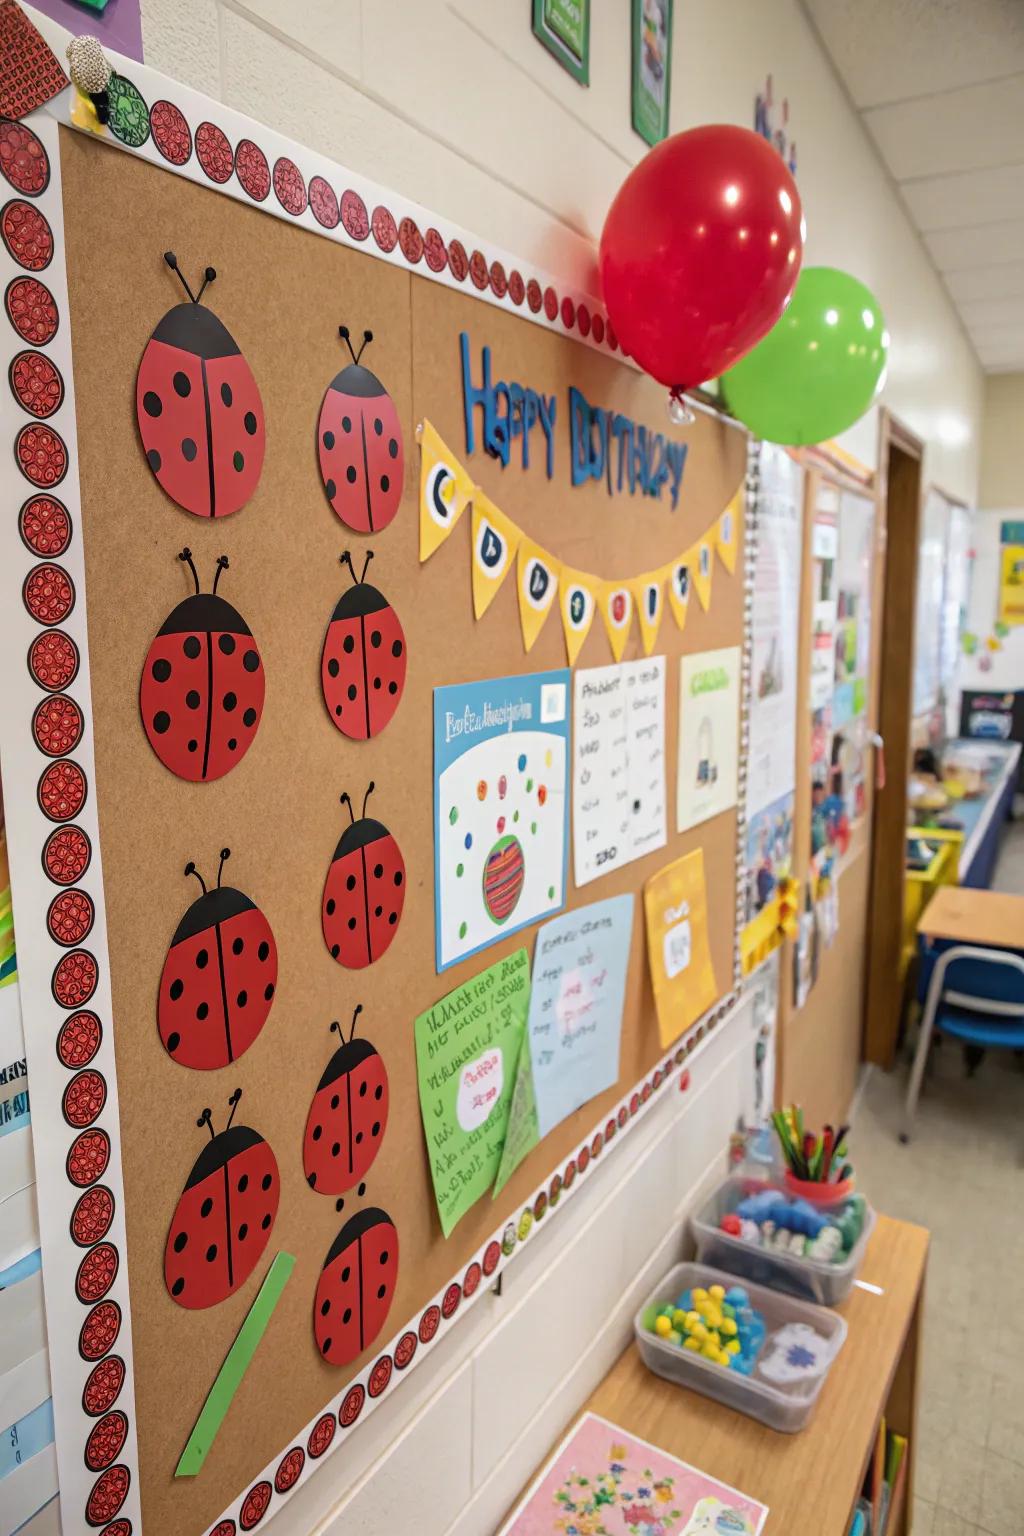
{"x":282,"y":293}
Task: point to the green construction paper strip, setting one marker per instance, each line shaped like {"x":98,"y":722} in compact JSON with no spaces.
{"x":237,"y":1362}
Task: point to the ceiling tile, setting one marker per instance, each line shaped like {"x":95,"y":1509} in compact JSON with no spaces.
{"x":970,"y":197}
{"x":982,"y":313}
{"x":1005,"y":281}
{"x":986,"y":245}
{"x":961,"y":130}
{"x":887,"y":50}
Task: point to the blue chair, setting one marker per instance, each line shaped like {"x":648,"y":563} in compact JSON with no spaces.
{"x":975,"y":996}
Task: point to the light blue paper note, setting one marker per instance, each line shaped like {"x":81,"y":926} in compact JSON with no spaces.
{"x":25,"y":1439}
{"x":579,"y":982}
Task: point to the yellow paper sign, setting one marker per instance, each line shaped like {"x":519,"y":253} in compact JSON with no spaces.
{"x":726,"y":529}
{"x":700,"y":561}
{"x":616,"y":601}
{"x":1011,"y":585}
{"x":537,"y":578}
{"x":578,"y":602}
{"x":495,"y":542}
{"x":649,"y":596}
{"x":682,"y":975}
{"x":677,"y":577}
{"x":445,"y":490}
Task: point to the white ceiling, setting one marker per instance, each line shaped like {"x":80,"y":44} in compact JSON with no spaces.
{"x":940,"y":88}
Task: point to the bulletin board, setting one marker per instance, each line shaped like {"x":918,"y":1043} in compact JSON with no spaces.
{"x":282,"y":289}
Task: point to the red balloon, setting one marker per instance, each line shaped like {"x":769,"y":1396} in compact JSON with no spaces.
{"x":700,"y":252}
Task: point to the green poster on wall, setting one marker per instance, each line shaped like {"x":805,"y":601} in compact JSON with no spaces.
{"x":563,"y":26}
{"x":652,"y":68}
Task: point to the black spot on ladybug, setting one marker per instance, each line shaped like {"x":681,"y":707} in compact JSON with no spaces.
{"x":237,"y":945}
{"x":238,"y":460}
{"x":264,"y":949}
{"x":227,"y":644}
{"x":192,"y":699}
{"x":268,"y":991}
{"x":230,"y":701}
{"x":398,"y":877}
{"x":225,"y":393}
{"x":249,"y":717}
{"x":242,"y":999}
{"x":232,"y":744}
{"x":378,"y":1092}
{"x":377,"y":683}
{"x":335,"y":1100}
{"x":206,"y":1207}
{"x":330,"y":907}
{"x":353,"y":691}
{"x":192,"y":646}
{"x":385,"y":483}
{"x":173,"y":1041}
{"x":350,"y":474}
{"x":382,"y":1291}
{"x":325,"y":1308}
{"x":392,"y":687}
{"x":251,"y":661}
{"x":375,"y":639}
{"x":202,"y":1011}
{"x":188,"y":449}
{"x":193,"y":746}
{"x":203,"y":959}
{"x":375,"y":1128}
{"x":180,"y":1241}
{"x":346,"y":1316}
{"x":176,"y":989}
{"x":182,"y":385}
{"x":378,"y":870}
{"x":211,"y":1253}
{"x":161,"y":670}
{"x":377,"y":912}
{"x":337,"y":709}
{"x":151,"y":403}
{"x":328,"y":439}
{"x":396,"y":649}
{"x":178,"y":1287}
{"x":378,"y":425}
{"x":154,"y":461}
{"x":393,"y":448}
{"x":333,"y":666}
{"x":346,"y":424}
{"x":352,"y":925}
{"x":243,"y":1184}
{"x":250,"y":424}
{"x":349,"y":644}
{"x":335,"y":951}
{"x":361,"y":1190}
{"x":265,"y":1223}
{"x":392,"y":918}
{"x":243,"y":1232}
{"x":325,"y":1346}
{"x":318,"y":1131}
{"x":161,"y":722}
{"x":335,"y":1149}
{"x":331,"y":489}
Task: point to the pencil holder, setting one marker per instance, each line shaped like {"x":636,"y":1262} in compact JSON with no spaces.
{"x":816,"y":1193}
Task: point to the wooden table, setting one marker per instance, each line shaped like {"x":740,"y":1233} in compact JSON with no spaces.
{"x":810,"y":1481}
{"x":974,"y":917}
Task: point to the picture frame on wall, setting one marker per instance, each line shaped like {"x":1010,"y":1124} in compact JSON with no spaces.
{"x":563,"y":26}
{"x":651,"y":29}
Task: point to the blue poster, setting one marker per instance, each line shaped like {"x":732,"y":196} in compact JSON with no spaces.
{"x":579,"y":983}
{"x":501,"y":808}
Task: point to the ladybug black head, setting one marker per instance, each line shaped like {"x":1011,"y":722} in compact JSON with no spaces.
{"x":361,"y":832}
{"x":349,"y":1053}
{"x":360,"y":599}
{"x":354,"y":1229}
{"x":354,"y":380}
{"x":211,"y":907}
{"x":223,"y":1145}
{"x":204,"y":610}
{"x":191,"y":327}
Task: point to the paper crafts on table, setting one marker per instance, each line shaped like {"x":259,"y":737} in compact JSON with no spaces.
{"x":501,"y":750}
{"x":601,"y":1479}
{"x":682,"y":975}
{"x":467,"y":1054}
{"x":709,"y":724}
{"x":618,"y":808}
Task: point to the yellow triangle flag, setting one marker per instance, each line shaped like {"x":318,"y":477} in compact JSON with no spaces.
{"x":495,"y":542}
{"x":726,"y":531}
{"x":537,"y":578}
{"x":678,"y":579}
{"x":578,"y":602}
{"x":445,"y":490}
{"x":649,"y":596}
{"x":616,"y":602}
{"x":700,"y":566}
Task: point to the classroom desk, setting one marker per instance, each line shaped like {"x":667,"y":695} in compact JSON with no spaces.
{"x":965,"y":916}
{"x":810,"y":1481}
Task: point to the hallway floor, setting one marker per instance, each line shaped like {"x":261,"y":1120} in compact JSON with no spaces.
{"x":962,"y":1176}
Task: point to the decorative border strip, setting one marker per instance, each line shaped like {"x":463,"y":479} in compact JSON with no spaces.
{"x":750,"y":542}
{"x":53,"y":835}
{"x":202,"y":156}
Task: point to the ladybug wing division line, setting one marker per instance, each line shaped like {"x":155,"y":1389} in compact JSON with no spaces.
{"x":359,"y":441}
{"x":347,"y":1117}
{"x":356,"y":1286}
{"x":364,"y":892}
{"x":219,"y":977}
{"x":199,"y":410}
{"x":362,"y":668}
{"x":203,"y":685}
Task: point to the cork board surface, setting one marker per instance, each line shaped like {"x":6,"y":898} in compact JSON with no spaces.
{"x":282,"y":293}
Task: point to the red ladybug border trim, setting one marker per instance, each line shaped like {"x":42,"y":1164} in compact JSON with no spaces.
{"x":81,"y":1220}
{"x":493,"y":278}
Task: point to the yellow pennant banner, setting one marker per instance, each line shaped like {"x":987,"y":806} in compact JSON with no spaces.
{"x":700,"y":568}
{"x":577,"y":599}
{"x":726,"y":531}
{"x":616,"y":603}
{"x":495,"y":543}
{"x":537,"y":577}
{"x":678,"y":579}
{"x":445,"y":490}
{"x":649,"y":596}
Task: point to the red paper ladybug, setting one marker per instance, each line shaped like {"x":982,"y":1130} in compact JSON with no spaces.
{"x":355,"y":1288}
{"x":219,"y":977}
{"x":348,"y":1116}
{"x":359,"y":440}
{"x":202,"y":688}
{"x":199,"y":411}
{"x":362,"y":668}
{"x":364,"y":891}
{"x":223,"y":1220}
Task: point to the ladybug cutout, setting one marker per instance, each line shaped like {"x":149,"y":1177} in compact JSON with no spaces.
{"x":359,"y":441}
{"x":364,"y":891}
{"x":356,"y":1285}
{"x":222,"y":1222}
{"x":218,"y":981}
{"x":199,"y":411}
{"x":348,"y":1116}
{"x":362,"y":669}
{"x":203,"y":685}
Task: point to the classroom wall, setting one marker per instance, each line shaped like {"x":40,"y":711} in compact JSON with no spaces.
{"x":1001,"y":485}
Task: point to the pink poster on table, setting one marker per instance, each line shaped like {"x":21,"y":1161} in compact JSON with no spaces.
{"x":603,"y":1482}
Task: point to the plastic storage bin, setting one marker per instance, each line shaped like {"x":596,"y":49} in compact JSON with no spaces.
{"x":809,"y":1279}
{"x":785,"y":1408}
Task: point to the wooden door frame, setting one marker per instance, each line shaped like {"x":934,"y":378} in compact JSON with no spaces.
{"x":901,"y":487}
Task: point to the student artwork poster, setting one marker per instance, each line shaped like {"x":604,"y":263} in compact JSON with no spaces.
{"x":501,"y":806}
{"x":709,"y":724}
{"x":769,"y":854}
{"x":775,"y":619}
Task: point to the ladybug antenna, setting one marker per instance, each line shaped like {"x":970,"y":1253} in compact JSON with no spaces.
{"x":336,"y":1028}
{"x":233,"y":1101}
{"x":367,"y":338}
{"x":172,"y":262}
{"x":344,"y":334}
{"x":346,"y":799}
{"x":352,"y":1031}
{"x":366,"y":564}
{"x":369,"y":792}
{"x":208,"y":277}
{"x":206,"y":1118}
{"x":190,"y":869}
{"x":225,"y":854}
{"x":186,"y":556}
{"x":346,"y":559}
{"x":222,"y":565}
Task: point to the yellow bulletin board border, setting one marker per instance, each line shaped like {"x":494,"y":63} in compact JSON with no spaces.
{"x":494,"y":277}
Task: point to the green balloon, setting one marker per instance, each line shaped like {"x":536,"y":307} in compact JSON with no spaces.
{"x":819,"y":368}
